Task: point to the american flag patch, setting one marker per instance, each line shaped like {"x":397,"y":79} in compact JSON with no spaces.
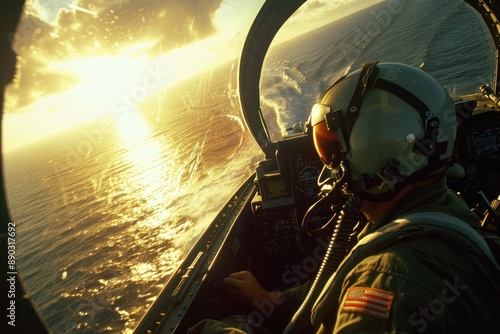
{"x":370,"y":301}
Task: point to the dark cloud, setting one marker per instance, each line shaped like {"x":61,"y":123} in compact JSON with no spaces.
{"x":311,"y":5}
{"x":173,"y":23}
{"x":116,"y":25}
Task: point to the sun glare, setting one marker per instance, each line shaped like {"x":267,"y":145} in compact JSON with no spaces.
{"x":104,"y":80}
{"x":150,"y":172}
{"x":107,"y":85}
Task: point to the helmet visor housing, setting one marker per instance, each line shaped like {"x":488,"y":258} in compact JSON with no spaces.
{"x":326,"y":140}
{"x":326,"y":143}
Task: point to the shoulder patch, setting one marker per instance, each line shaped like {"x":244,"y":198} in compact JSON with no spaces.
{"x":370,"y":301}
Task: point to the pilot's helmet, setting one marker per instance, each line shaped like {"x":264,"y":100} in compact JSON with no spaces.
{"x":386,"y":125}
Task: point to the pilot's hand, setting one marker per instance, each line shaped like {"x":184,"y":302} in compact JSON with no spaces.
{"x":245,"y":287}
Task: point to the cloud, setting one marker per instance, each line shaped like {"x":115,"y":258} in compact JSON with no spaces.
{"x":172,"y":23}
{"x":312,"y":5}
{"x":99,"y":27}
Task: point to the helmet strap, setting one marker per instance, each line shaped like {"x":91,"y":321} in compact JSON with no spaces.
{"x":342,"y":123}
{"x":366,"y":80}
{"x":429,"y":145}
{"x":391,"y":176}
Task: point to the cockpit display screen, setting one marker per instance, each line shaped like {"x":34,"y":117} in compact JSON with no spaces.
{"x":486,"y":141}
{"x":276,"y":187}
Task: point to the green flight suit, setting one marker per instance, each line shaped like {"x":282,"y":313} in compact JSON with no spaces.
{"x":432,"y":285}
{"x":420,"y":285}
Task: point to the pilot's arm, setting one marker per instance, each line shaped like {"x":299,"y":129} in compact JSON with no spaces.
{"x":383,"y":294}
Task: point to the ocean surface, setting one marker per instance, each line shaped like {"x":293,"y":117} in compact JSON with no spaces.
{"x":106,"y":212}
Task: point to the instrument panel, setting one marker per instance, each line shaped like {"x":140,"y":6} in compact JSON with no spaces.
{"x":287,"y":188}
{"x":478,"y":153}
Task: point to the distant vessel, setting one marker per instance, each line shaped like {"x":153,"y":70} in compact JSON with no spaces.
{"x":259,"y":228}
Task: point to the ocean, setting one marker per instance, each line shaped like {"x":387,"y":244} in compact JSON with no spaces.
{"x":107,"y":211}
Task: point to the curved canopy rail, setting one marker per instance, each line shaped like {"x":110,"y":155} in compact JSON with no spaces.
{"x":269,"y":20}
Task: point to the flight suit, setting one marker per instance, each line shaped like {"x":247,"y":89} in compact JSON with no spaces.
{"x":424,"y":284}
{"x":415,"y":285}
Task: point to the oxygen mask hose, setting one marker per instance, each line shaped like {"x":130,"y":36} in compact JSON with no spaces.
{"x":333,"y":202}
{"x":337,"y":250}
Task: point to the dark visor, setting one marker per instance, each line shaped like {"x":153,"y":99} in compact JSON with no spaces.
{"x":326,"y":141}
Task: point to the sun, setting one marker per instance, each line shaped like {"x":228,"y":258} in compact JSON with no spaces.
{"x":104,"y":85}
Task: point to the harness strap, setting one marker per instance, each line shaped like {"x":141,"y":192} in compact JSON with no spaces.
{"x":422,"y":222}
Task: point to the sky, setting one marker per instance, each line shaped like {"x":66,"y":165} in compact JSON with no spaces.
{"x":83,"y":59}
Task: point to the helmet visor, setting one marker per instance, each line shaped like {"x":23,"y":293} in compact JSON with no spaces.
{"x":326,"y":143}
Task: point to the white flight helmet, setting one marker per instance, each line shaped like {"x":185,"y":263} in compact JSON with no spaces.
{"x":386,"y":124}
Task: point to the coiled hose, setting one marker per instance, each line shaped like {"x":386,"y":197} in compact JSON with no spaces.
{"x":337,"y":248}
